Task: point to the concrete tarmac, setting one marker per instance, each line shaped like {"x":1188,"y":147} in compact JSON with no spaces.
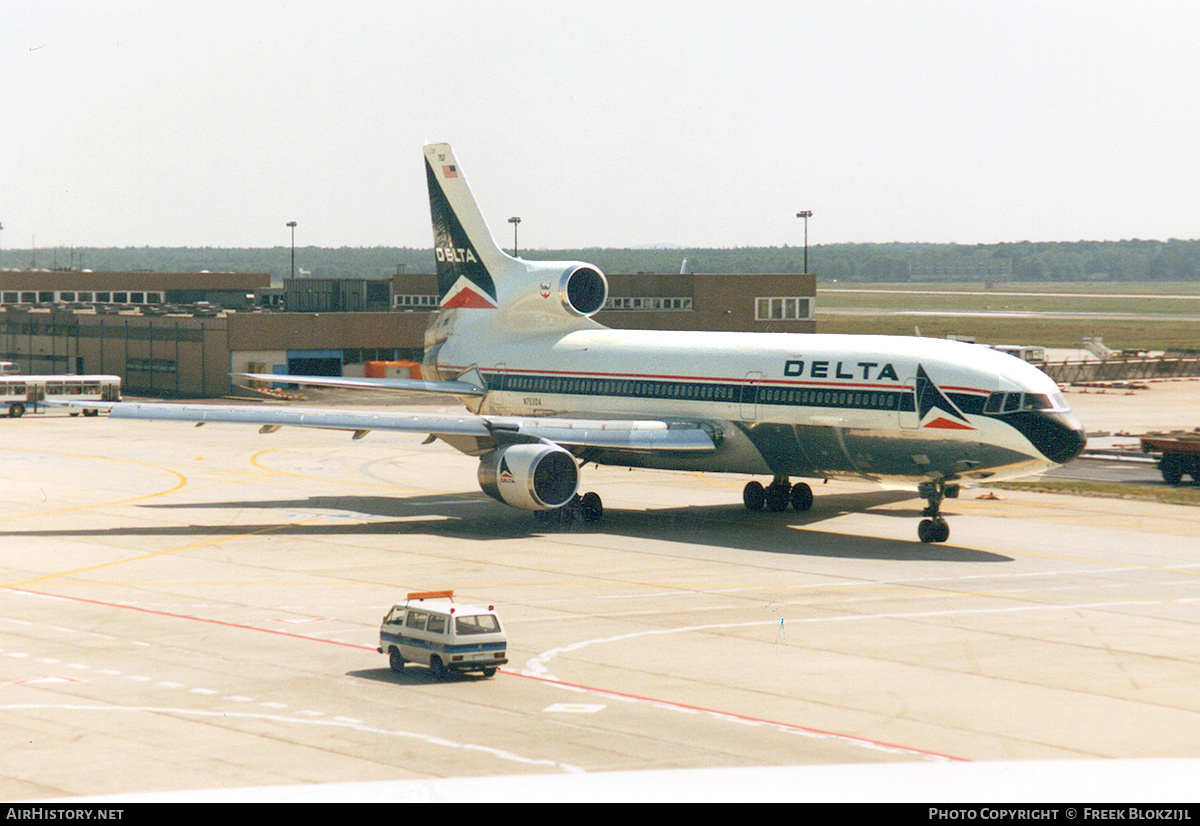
{"x":198,"y":609}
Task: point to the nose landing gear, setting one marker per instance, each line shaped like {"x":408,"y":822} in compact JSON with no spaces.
{"x":934,"y":527}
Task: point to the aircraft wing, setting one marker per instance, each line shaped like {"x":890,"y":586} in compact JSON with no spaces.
{"x":450,"y":388}
{"x":615,"y":434}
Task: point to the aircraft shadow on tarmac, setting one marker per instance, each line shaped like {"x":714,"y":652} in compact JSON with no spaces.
{"x":475,"y":517}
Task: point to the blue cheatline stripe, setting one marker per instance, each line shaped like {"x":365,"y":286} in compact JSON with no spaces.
{"x":739,"y":392}
{"x":442,"y":648}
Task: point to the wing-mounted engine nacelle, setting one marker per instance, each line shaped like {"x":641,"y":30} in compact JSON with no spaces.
{"x":533,"y":477}
{"x":582,"y":289}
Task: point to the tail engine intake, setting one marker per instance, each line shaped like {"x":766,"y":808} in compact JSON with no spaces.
{"x":583,"y":290}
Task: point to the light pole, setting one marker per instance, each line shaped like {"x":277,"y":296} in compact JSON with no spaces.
{"x":806,"y":214}
{"x":292,"y":224}
{"x":514,"y":221}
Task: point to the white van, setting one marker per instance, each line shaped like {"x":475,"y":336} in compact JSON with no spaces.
{"x":431,"y":629}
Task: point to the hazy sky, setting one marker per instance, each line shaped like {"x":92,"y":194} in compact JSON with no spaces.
{"x":599,"y":123}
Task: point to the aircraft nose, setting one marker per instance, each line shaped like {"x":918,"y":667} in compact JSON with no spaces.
{"x":1061,"y":437}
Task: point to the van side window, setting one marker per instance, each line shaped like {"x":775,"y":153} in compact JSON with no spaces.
{"x":437,"y":624}
{"x":416,"y":620}
{"x":481,"y":624}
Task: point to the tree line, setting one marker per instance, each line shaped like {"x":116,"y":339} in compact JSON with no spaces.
{"x":1133,"y":260}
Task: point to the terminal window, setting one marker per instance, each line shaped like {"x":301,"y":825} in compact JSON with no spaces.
{"x":652,"y":303}
{"x":782,"y":309}
{"x":412,"y":302}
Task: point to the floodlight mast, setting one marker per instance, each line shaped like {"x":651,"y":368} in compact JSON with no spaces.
{"x":806,"y":214}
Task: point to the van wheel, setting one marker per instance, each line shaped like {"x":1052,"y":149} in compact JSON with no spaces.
{"x":489,"y":672}
{"x":440,"y":671}
{"x":16,"y":411}
{"x":395,"y":661}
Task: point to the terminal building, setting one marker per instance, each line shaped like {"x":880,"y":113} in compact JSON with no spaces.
{"x":182,"y":334}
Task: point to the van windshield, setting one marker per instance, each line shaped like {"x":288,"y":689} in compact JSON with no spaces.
{"x":479,"y":624}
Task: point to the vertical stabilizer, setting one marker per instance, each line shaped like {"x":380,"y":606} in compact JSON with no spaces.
{"x":469,"y":263}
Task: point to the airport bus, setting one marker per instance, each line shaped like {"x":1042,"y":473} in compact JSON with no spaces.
{"x":21,"y":393}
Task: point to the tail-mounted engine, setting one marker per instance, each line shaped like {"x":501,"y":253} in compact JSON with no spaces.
{"x":535,"y":476}
{"x":583,"y":290}
{"x":549,"y":295}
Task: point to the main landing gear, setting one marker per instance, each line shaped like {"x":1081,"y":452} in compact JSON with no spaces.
{"x":581,"y":509}
{"x":934,"y":527}
{"x":777,"y":495}
{"x":781,"y":493}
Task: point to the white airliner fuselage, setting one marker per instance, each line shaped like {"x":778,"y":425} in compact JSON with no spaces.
{"x":784,"y":404}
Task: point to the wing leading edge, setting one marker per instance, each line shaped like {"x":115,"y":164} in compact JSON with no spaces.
{"x":612,"y":434}
{"x":449,"y":388}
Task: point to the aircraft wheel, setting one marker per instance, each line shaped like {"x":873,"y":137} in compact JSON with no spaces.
{"x":925,"y":530}
{"x":943,"y":530}
{"x":395,"y":661}
{"x":802,"y":496}
{"x":591,"y":507}
{"x":753,"y":496}
{"x":933,"y":530}
{"x":558,"y":516}
{"x":777,"y":497}
{"x":16,"y":411}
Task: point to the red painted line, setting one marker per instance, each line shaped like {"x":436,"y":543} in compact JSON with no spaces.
{"x":747,"y":718}
{"x":866,"y":741}
{"x":194,"y":619}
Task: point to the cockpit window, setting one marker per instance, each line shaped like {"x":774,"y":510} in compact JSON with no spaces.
{"x":1000,"y":403}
